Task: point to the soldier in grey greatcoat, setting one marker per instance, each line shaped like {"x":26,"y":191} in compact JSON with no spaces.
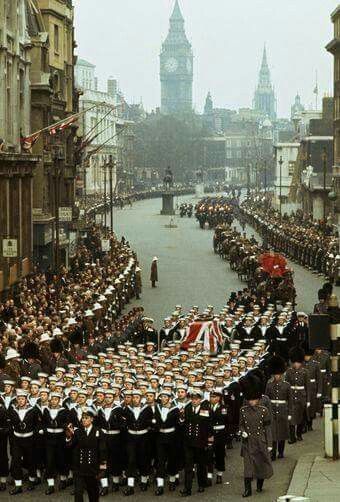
{"x":298,"y":378}
{"x":322,"y":357}
{"x":315,"y":383}
{"x":280,"y":395}
{"x":255,"y":427}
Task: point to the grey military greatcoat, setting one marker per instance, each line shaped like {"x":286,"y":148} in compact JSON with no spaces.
{"x":280,"y":395}
{"x":255,"y":422}
{"x":299,"y":382}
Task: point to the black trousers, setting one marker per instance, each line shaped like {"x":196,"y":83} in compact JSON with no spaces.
{"x":192,"y":456}
{"x":114,"y":455}
{"x":88,"y":483}
{"x":279,"y":446}
{"x":138,"y":459}
{"x":4,"y":465}
{"x":216,"y":455}
{"x":55,"y":457}
{"x":22,"y":455}
{"x":166,"y":458}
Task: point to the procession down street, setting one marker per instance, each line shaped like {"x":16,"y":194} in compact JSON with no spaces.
{"x":190,"y":273}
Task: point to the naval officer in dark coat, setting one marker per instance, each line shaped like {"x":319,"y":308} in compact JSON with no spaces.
{"x":89,"y":456}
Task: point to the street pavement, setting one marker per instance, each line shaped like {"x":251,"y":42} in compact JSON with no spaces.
{"x":190,"y":273}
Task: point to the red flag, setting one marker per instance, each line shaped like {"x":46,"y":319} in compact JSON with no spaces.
{"x":62,"y":125}
{"x":28,"y":141}
{"x":196,"y":331}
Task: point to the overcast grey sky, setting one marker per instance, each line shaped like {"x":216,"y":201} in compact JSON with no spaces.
{"x":123,"y":38}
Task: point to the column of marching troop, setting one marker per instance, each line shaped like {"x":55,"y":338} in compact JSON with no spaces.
{"x":131,"y":415}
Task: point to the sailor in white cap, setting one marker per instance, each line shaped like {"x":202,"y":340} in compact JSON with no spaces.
{"x":24,"y":422}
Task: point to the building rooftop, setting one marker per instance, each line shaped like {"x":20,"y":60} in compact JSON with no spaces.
{"x":83,"y":62}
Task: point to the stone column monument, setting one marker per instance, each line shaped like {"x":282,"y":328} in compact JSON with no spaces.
{"x":168,"y":194}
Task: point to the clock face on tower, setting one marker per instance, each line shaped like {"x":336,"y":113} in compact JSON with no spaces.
{"x":171,"y":65}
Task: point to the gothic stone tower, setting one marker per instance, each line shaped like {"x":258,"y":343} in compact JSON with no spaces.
{"x":176,"y":67}
{"x":264,"y":99}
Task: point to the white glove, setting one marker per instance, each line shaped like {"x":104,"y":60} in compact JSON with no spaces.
{"x":289,"y":417}
{"x":244,"y":435}
{"x":319,"y":395}
{"x":308,"y":405}
{"x":269,"y":448}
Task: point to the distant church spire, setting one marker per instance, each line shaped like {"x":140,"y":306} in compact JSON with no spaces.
{"x":176,"y":13}
{"x":264,"y":99}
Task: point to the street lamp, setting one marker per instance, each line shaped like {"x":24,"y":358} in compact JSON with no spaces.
{"x":58,"y":158}
{"x":324,"y":162}
{"x":280,"y":163}
{"x":111,"y":166}
{"x":248,"y":179}
{"x":265,"y":175}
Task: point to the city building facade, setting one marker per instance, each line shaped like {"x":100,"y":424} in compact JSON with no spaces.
{"x":176,"y":67}
{"x":53,"y":99}
{"x":16,"y":167}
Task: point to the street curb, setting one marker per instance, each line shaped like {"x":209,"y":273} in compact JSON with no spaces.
{"x":299,"y":482}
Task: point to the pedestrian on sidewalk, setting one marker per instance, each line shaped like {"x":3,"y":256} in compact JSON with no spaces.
{"x":154,"y":272}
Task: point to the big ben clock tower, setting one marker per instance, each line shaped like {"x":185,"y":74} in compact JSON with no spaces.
{"x":176,"y":67}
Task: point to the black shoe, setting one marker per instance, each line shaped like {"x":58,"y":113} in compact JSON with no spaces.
{"x":246,"y":493}
{"x":2,"y":487}
{"x":30,"y":486}
{"x":159,"y":491}
{"x":16,"y":490}
{"x":115,"y":487}
{"x":129,"y":491}
{"x":185,"y":493}
{"x":208,"y":482}
{"x":201,"y":489}
{"x":299,"y":438}
{"x":49,"y":490}
{"x":218,"y":480}
{"x":172,"y":487}
{"x":63,"y":484}
{"x":143,"y":487}
{"x":104,"y":491}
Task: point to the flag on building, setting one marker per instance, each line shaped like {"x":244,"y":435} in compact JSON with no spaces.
{"x":28,"y":141}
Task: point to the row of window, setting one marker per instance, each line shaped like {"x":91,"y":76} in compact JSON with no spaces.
{"x":238,"y":143}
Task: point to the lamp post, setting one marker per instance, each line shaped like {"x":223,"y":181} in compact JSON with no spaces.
{"x":265,"y":176}
{"x":111,"y":166}
{"x":324,"y":165}
{"x":280,"y":163}
{"x":58,"y":157}
{"x":248,"y":179}
{"x":105,"y":207}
